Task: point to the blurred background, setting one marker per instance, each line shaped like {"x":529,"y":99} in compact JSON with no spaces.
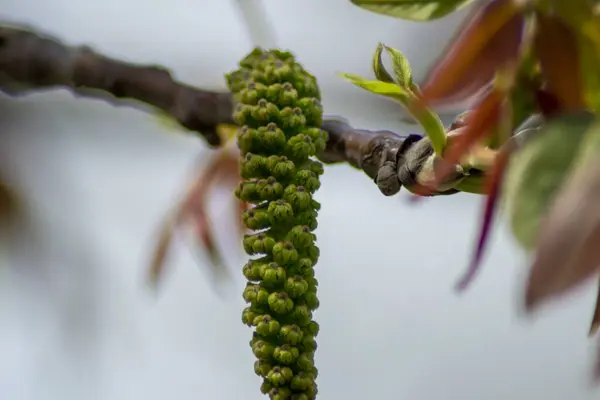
{"x":78,"y":322}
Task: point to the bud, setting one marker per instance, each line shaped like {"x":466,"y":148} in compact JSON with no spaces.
{"x":284,"y":253}
{"x":302,"y":381}
{"x":295,"y":286}
{"x":291,"y":334}
{"x":280,"y":303}
{"x":300,"y":236}
{"x":280,"y":212}
{"x":300,"y":147}
{"x":308,"y":179}
{"x":252,"y":93}
{"x":312,"y":110}
{"x":272,"y":274}
{"x":286,"y":354}
{"x":262,"y":368}
{"x":252,"y":165}
{"x":255,"y":294}
{"x":256,"y":219}
{"x":266,"y":326}
{"x":273,"y":138}
{"x":292,"y":119}
{"x":262,"y":350}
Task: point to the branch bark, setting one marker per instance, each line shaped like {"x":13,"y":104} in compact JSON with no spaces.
{"x":32,"y":61}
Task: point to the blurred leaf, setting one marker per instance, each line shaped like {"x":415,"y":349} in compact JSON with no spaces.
{"x":378,"y":87}
{"x":378,"y":67}
{"x":537,"y":171}
{"x":567,"y":253}
{"x":490,"y":41}
{"x":556,"y":47}
{"x":401,"y":66}
{"x":419,"y":10}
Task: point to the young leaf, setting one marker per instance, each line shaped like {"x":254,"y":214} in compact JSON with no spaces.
{"x":490,"y":40}
{"x":423,"y":10}
{"x":378,"y":87}
{"x":538,"y":170}
{"x":378,"y":67}
{"x":401,"y":67}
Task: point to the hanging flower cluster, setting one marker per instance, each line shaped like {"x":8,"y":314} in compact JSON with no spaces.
{"x":279,"y":111}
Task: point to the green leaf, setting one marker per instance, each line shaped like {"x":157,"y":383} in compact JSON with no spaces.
{"x":538,"y":170}
{"x":378,"y":68}
{"x":415,"y":10}
{"x":378,"y":87}
{"x":401,"y":67}
{"x":472,"y":184}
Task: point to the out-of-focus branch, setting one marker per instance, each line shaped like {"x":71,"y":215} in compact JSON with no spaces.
{"x":31,"y":61}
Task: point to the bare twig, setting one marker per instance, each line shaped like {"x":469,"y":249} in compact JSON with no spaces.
{"x":31,"y":61}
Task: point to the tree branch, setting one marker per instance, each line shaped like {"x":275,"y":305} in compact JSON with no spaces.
{"x":31,"y":61}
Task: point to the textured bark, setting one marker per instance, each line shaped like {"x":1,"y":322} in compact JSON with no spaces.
{"x":31,"y":61}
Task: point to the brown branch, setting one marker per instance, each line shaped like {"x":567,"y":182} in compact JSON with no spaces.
{"x":31,"y":61}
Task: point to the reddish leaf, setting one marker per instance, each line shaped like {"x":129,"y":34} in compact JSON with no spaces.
{"x":490,"y":40}
{"x":556,"y":47}
{"x":494,"y":181}
{"x":567,"y":253}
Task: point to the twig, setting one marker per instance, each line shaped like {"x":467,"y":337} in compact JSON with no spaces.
{"x":32,"y":61}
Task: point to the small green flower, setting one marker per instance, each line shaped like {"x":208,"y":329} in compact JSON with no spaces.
{"x":280,"y":113}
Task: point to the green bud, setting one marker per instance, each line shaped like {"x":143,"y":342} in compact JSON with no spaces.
{"x":305,"y":267}
{"x":300,"y":147}
{"x":295,"y":286}
{"x":301,"y":236}
{"x":279,"y":376}
{"x":273,"y":138}
{"x":258,"y":243}
{"x":280,"y":393}
{"x":252,"y":93}
{"x":242,"y":114}
{"x":272,"y":274}
{"x":266,"y":325}
{"x":291,"y":334}
{"x":300,"y":396}
{"x":286,"y":354}
{"x":256,"y":219}
{"x":266,"y":386}
{"x":308,"y":218}
{"x":255,"y":294}
{"x":251,"y":271}
{"x":282,"y":94}
{"x":301,"y":381}
{"x":252,"y":165}
{"x":292,"y":118}
{"x":263,"y":112}
{"x":262,"y":350}
{"x":309,"y":343}
{"x":312,"y":110}
{"x":247,"y":191}
{"x":311,"y":299}
{"x":280,"y":303}
{"x":284,"y":253}
{"x":298,"y":197}
{"x":308,"y":179}
{"x":269,"y":188}
{"x":307,"y":87}
{"x":284,"y":168}
{"x":312,"y":328}
{"x":313,"y":253}
{"x":262,"y":368}
{"x":301,"y":314}
{"x":305,"y":362}
{"x":280,"y":212}
{"x":248,"y":316}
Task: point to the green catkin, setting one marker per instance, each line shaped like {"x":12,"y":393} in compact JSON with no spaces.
{"x":280,"y":114}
